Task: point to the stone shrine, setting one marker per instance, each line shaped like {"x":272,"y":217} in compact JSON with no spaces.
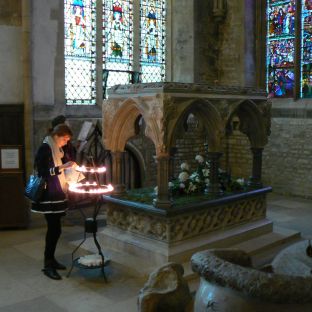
{"x":164,"y":231}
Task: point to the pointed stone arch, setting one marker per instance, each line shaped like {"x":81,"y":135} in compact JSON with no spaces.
{"x":206,"y":113}
{"x":119,"y":124}
{"x":252,"y":122}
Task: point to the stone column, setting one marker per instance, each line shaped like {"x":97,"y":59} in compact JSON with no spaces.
{"x":27,"y":81}
{"x":117,"y":159}
{"x":214,"y":184}
{"x":173,"y":151}
{"x":163,"y":197}
{"x":255,"y":179}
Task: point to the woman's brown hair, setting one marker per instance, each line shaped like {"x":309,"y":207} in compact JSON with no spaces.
{"x":61,"y":130}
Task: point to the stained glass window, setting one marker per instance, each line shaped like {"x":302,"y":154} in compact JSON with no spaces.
{"x":152,"y":48}
{"x":85,"y":43}
{"x":80,"y":54}
{"x":289,"y":54}
{"x":118,"y":40}
{"x":281,"y":48}
{"x":306,"y":52}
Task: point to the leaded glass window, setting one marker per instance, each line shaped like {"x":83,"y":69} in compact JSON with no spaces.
{"x":94,"y":44}
{"x":282,"y":48}
{"x":152,"y":48}
{"x":80,"y":54}
{"x":306,"y":52}
{"x":118,"y":40}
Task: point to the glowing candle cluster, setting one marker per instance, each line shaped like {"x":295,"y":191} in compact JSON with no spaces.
{"x":90,"y":188}
{"x":90,"y":169}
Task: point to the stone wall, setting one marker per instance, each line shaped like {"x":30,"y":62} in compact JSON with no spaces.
{"x":205,"y":45}
{"x":231,"y":37}
{"x":287,"y":164}
{"x":224,"y":49}
{"x":237,"y":157}
{"x":189,"y":144}
{"x":11,"y":12}
{"x":180,"y":51}
{"x":11,"y":81}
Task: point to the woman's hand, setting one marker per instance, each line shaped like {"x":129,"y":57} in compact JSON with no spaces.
{"x":69,"y":164}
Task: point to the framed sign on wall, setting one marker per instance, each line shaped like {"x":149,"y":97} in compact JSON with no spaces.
{"x":10,"y":158}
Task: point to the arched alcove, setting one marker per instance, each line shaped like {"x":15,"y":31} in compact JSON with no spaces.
{"x":207,"y":115}
{"x":246,"y":135}
{"x":237,"y":158}
{"x":120,"y":124}
{"x":142,"y":151}
{"x":251,"y":122}
{"x":189,"y":141}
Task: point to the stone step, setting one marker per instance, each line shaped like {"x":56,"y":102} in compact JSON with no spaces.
{"x":220,"y":239}
{"x":262,"y":249}
{"x":142,"y":255}
{"x":226,"y":239}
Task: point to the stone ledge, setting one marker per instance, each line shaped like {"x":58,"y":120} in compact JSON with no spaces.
{"x":188,"y":207}
{"x":179,"y":87}
{"x":232,"y":269}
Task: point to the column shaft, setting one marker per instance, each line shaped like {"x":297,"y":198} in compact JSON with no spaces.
{"x":255,"y":179}
{"x":163,"y":197}
{"x":117,"y":161}
{"x":214,"y":184}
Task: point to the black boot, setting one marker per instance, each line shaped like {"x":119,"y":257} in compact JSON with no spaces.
{"x":51,"y":273}
{"x":58,"y":266}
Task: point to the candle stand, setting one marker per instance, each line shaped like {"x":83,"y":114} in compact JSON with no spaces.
{"x":95,"y":190}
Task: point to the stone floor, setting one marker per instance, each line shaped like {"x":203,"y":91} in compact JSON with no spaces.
{"x":23,"y":287}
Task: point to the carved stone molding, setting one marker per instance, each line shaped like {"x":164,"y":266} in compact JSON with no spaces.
{"x":186,"y":225}
{"x":180,"y":87}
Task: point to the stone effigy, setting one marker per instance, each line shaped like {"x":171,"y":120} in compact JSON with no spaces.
{"x":165,"y":291}
{"x":229,"y":283}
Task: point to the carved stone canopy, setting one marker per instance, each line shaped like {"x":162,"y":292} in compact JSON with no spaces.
{"x":165,"y":105}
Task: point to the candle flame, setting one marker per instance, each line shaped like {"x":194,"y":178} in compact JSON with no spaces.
{"x":83,"y":188}
{"x":91,"y":169}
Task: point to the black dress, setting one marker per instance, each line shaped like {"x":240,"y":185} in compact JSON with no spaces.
{"x":54,"y":199}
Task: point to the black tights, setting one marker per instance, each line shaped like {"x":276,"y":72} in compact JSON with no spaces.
{"x":53,"y":234}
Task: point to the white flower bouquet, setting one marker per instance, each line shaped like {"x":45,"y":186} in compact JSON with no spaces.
{"x":199,"y":180}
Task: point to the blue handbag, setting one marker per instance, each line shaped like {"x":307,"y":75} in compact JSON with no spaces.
{"x":35,"y":187}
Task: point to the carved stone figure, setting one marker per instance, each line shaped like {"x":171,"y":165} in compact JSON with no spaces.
{"x":166,"y":290}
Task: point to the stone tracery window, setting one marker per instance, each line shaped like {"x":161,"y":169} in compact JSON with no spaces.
{"x":306,"y":50}
{"x":289,"y":48}
{"x":79,"y":46}
{"x":124,"y":60}
{"x":118,"y":40}
{"x":152,"y":56}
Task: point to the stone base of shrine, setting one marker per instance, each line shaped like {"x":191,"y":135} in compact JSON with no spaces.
{"x":143,"y":254}
{"x":144,"y":237}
